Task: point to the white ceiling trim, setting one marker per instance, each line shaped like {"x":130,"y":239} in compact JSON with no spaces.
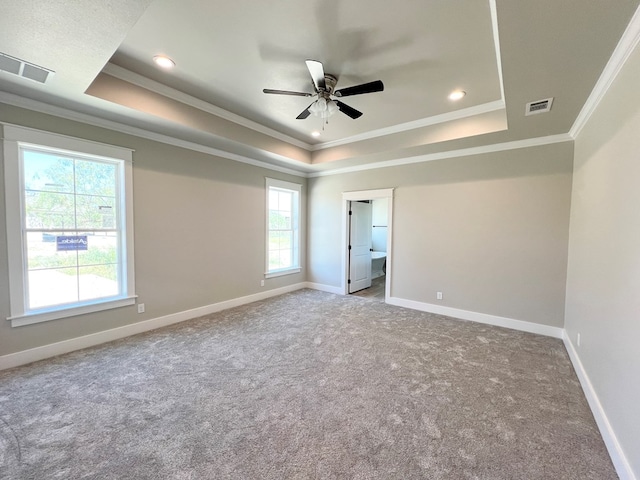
{"x":496,"y":42}
{"x":463,"y":152}
{"x":169,"y":92}
{"x":425,"y":122}
{"x":623,"y":50}
{"x":34,"y":105}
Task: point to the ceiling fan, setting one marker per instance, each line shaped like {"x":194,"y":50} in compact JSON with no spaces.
{"x":325,"y":105}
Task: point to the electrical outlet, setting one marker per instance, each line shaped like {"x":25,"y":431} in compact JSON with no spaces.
{"x":578,"y":340}
{"x":262,"y":283}
{"x":439,"y":295}
{"x":141,"y":308}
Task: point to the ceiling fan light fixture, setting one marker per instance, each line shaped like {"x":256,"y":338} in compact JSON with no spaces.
{"x":164,"y":62}
{"x":323,"y":108}
{"x":457,"y":95}
{"x":332,"y":107}
{"x":313,"y":108}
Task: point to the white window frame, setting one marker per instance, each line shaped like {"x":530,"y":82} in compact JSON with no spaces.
{"x":14,"y":138}
{"x":296,"y":188}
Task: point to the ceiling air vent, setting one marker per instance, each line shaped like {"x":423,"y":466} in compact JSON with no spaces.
{"x":540,"y":106}
{"x":24,"y":69}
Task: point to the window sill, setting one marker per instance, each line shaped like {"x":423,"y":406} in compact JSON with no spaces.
{"x":54,"y":314}
{"x":280,"y":273}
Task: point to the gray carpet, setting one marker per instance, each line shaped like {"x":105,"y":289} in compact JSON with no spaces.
{"x":308,"y":385}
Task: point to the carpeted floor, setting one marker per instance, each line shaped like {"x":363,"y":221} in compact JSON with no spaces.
{"x":308,"y":385}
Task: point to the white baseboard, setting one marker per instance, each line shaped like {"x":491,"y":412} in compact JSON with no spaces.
{"x":47,"y":351}
{"x":325,"y":288}
{"x":620,"y":462}
{"x":521,"y":325}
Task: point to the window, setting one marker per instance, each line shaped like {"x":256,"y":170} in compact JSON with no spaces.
{"x":283,"y":231}
{"x":69,"y":225}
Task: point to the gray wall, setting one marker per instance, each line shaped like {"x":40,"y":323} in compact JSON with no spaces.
{"x":199,"y":233}
{"x":490,"y":231}
{"x":603,"y":281}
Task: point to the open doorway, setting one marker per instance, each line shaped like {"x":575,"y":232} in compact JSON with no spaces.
{"x":367,"y":235}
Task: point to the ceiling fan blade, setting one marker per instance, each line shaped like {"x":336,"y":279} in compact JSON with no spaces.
{"x":317,"y":73}
{"x":347,"y":110}
{"x":286,"y":92}
{"x":305,"y":113}
{"x":370,"y":87}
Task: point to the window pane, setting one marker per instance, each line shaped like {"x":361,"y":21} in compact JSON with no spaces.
{"x":95,"y":212}
{"x":273,"y":199}
{"x":49,"y":210}
{"x":285,"y":258}
{"x":97,"y":281}
{"x":48,"y":288}
{"x":274,"y":260}
{"x":95,"y":178}
{"x":279,"y":240}
{"x":279,"y":220}
{"x":284,"y":201}
{"x":274,"y":241}
{"x":42,"y":252}
{"x":286,"y":220}
{"x":274,"y":220}
{"x":286,"y":240}
{"x":102,"y":249}
{"x":47,"y":172}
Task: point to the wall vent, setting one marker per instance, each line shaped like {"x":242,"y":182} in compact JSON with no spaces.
{"x":539,"y":106}
{"x":24,"y":69}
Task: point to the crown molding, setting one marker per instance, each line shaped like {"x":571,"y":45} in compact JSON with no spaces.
{"x":48,"y":109}
{"x":463,"y":152}
{"x":623,"y":50}
{"x":424,"y":122}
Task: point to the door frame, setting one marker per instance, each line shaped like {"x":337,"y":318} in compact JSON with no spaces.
{"x":366,"y":195}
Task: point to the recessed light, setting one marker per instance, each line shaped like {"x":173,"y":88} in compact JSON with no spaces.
{"x":164,"y":62}
{"x":315,"y":134}
{"x":457,"y":95}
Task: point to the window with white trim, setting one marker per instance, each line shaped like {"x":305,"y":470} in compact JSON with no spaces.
{"x":283,"y":227}
{"x":69,"y":225}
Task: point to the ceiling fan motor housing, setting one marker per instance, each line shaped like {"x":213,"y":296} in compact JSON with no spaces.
{"x":330,"y":83}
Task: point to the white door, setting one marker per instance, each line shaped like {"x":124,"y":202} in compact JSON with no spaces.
{"x":359,"y":246}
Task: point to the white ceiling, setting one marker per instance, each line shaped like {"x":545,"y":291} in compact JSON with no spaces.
{"x":227,"y":52}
